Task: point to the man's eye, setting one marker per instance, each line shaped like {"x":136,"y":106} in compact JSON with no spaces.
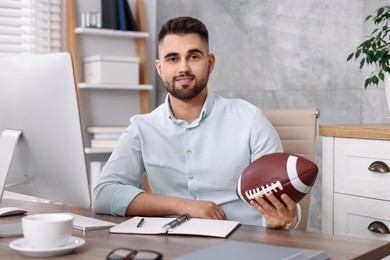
{"x":171,"y":59}
{"x":194,"y":57}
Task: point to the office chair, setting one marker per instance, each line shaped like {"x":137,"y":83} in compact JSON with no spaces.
{"x":297,"y":129}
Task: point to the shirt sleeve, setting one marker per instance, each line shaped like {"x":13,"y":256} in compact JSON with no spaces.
{"x":121,"y":177}
{"x":264,"y":138}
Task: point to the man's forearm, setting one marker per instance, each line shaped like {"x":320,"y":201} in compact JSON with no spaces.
{"x":147,"y":204}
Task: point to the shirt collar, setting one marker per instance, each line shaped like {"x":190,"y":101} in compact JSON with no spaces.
{"x":205,"y":112}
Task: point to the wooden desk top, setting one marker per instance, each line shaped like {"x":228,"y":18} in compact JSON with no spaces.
{"x":99,"y":242}
{"x":367,"y":131}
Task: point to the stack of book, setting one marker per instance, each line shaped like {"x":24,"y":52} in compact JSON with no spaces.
{"x":105,"y":136}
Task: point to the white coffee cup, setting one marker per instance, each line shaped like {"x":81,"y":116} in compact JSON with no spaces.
{"x":47,"y":230}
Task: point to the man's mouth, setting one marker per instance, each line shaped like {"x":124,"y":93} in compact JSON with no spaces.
{"x":184,"y":80}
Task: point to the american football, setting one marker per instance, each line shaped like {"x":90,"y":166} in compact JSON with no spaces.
{"x":277,"y":173}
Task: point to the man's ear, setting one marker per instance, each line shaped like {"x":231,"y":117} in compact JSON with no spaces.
{"x":158,"y":66}
{"x":211,"y":58}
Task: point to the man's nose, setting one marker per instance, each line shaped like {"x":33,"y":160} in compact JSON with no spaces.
{"x":184,"y":66}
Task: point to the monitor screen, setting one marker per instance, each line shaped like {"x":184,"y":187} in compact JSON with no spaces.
{"x":38,"y":98}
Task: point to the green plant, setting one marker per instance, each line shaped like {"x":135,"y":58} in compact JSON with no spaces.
{"x":376,"y":49}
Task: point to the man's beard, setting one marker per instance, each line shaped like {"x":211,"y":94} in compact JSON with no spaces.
{"x":185,"y":92}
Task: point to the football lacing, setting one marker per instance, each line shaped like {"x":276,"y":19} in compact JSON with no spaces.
{"x":273,"y":187}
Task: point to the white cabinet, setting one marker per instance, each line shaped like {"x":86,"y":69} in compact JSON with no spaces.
{"x":355,"y":197}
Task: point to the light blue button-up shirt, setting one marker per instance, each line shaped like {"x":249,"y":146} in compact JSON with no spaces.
{"x":202,"y":160}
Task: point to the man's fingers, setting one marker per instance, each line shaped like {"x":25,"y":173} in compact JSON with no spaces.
{"x":288,"y":201}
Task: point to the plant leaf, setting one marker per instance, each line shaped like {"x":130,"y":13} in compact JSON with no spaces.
{"x":362,"y":63}
{"x":375,"y":80}
{"x":367,"y":18}
{"x":380,"y":11}
{"x":378,"y":20}
{"x":367,"y":44}
{"x":358,"y":53}
{"x":367,"y":82}
{"x":381,"y":75}
{"x":350,"y":56}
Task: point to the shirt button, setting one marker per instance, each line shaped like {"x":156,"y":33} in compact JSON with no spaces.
{"x":188,"y":129}
{"x":190,"y":177}
{"x":188,"y":152}
{"x":193,"y":197}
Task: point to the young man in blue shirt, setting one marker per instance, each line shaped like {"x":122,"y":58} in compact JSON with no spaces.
{"x":193,"y":147}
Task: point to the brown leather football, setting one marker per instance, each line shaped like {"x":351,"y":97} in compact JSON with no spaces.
{"x":277,"y":173}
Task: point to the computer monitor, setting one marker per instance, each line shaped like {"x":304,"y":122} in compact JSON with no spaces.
{"x":38,"y":100}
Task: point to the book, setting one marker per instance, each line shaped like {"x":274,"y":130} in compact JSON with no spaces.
{"x":106,"y":136}
{"x":233,"y":250}
{"x":110,"y":18}
{"x":105,"y":129}
{"x":194,"y":226}
{"x":103,"y":143}
{"x":122,"y":15}
{"x":130,"y":21}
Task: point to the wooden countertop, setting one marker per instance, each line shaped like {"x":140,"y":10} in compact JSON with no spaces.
{"x":366,"y":131}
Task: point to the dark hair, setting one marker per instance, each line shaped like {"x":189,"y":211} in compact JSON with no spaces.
{"x":184,"y":25}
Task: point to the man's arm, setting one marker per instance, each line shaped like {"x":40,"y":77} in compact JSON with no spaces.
{"x":147,"y":204}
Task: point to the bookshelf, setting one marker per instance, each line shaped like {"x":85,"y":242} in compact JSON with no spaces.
{"x":108,"y":105}
{"x":84,"y":85}
{"x":110,"y":33}
{"x":122,"y":42}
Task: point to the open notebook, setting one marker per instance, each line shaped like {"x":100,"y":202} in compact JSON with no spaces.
{"x":194,"y":226}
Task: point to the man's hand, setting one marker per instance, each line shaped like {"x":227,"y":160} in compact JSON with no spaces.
{"x":277,"y":214}
{"x":203,"y":209}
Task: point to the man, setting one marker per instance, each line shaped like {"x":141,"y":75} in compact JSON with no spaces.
{"x":193,"y":147}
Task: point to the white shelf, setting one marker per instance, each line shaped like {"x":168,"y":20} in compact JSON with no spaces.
{"x":89,"y":150}
{"x":84,"y":85}
{"x":110,"y":33}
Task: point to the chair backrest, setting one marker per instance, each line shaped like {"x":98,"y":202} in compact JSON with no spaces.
{"x":297,"y":129}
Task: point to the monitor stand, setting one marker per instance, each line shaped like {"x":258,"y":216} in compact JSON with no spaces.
{"x":8,"y":141}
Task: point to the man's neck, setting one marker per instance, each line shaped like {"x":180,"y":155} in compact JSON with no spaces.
{"x":188,"y":110}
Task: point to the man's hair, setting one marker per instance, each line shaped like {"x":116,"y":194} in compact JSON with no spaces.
{"x":184,"y":25}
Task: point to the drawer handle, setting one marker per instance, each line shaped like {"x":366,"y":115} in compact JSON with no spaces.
{"x":378,"y":227}
{"x":379,"y":166}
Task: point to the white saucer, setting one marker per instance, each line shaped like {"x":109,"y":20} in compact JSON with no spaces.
{"x":21,"y":246}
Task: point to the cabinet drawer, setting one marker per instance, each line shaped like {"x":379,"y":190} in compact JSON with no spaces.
{"x":352,"y":157}
{"x":353,"y":215}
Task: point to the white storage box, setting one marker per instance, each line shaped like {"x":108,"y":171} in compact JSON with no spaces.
{"x":100,"y":69}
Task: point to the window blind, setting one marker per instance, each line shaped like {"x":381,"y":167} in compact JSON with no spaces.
{"x":31,"y":26}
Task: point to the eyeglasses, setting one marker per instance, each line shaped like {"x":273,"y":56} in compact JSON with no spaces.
{"x":131,"y":254}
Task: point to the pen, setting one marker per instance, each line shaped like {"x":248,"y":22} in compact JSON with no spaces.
{"x":140,"y":223}
{"x":177,"y":222}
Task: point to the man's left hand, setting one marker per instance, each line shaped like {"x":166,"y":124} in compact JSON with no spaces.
{"x":277,"y":214}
